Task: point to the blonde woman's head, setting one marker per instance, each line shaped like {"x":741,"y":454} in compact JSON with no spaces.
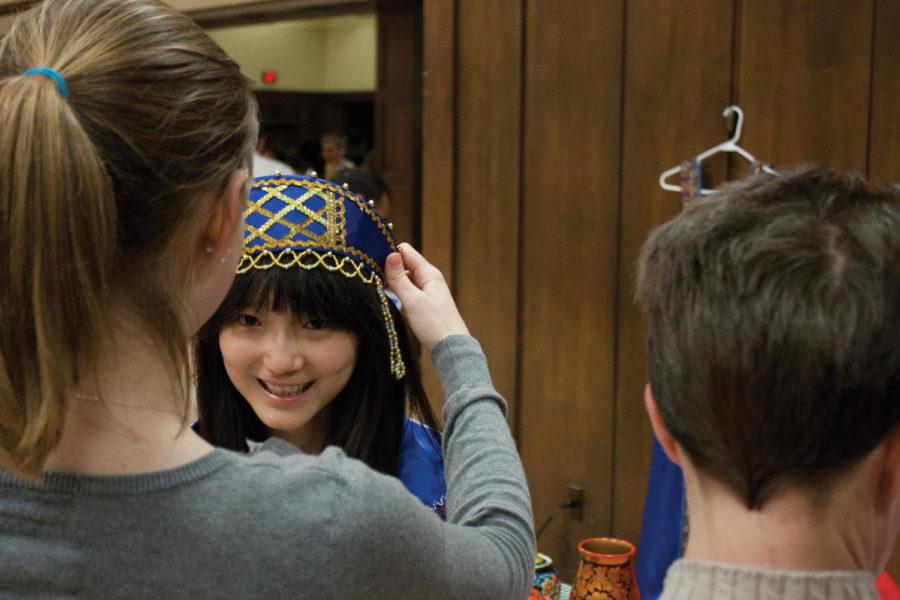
{"x":101,"y":190}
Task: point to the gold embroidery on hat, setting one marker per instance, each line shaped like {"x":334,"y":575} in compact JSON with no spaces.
{"x":289,"y":257}
{"x":330,"y":216}
{"x":308,"y":258}
{"x":332,"y":192}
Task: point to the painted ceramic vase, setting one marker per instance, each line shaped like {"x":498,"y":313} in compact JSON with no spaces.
{"x":606,"y":571}
{"x":546,"y":580}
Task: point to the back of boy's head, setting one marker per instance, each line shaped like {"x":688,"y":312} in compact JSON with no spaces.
{"x":774,"y":310}
{"x":104,"y":158}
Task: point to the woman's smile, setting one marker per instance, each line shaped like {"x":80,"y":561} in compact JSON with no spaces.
{"x":285,"y":393}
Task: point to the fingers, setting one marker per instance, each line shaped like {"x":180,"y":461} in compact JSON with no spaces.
{"x":400,"y":280}
{"x":410,"y":254}
{"x":427,"y":303}
{"x":397,"y":276}
{"x":420,"y":270}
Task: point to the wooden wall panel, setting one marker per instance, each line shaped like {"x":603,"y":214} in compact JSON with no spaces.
{"x":884,"y":132}
{"x":396,"y":146}
{"x":438,"y":136}
{"x":804,"y":81}
{"x":438,"y":139}
{"x":488,"y":163}
{"x":527,"y":92}
{"x":884,"y":122}
{"x":677,"y":82}
{"x":570,"y":181}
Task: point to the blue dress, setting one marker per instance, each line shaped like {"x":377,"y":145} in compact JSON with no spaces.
{"x":663,"y":530}
{"x":420,"y":466}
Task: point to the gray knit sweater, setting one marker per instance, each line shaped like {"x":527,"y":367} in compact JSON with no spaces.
{"x":280,"y":524}
{"x":702,"y":580}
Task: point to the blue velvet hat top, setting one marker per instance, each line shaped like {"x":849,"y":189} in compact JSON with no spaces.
{"x":297,"y":221}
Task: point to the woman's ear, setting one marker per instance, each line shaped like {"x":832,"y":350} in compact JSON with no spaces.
{"x":225,"y":216}
{"x":218,"y":250}
{"x":665,"y":439}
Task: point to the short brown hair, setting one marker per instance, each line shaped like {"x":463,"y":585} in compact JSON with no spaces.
{"x":95,"y":186}
{"x":774,"y":313}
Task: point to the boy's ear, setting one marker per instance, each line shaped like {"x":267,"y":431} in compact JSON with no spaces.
{"x":665,"y":439}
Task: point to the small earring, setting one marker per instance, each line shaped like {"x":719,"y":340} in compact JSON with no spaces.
{"x":209,"y":249}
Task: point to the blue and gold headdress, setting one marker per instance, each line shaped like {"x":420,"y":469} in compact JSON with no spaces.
{"x":295,"y":221}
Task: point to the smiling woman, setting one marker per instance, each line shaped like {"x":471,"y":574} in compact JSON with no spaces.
{"x":289,"y":369}
{"x":307,"y":347}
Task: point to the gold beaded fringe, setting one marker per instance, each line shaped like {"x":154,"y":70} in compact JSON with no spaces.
{"x":398,"y":368}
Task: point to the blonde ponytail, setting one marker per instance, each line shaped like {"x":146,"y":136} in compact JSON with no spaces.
{"x":59,"y":230}
{"x":95,"y":187}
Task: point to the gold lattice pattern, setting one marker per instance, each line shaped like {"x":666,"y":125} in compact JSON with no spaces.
{"x":330,"y":216}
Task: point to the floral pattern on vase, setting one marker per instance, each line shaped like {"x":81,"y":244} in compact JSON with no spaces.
{"x":606,"y":571}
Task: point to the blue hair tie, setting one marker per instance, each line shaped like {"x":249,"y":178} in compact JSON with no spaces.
{"x":61,"y":85}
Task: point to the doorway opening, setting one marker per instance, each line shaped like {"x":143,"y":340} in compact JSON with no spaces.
{"x":345,"y":67}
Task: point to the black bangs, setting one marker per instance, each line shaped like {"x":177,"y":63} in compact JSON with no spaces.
{"x":366,"y":418}
{"x":319,"y":293}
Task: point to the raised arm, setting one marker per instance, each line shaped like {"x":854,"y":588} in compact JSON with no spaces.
{"x":486,"y":548}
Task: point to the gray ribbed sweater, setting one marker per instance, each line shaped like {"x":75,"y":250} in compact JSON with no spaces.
{"x":702,"y":580}
{"x":280,"y":524}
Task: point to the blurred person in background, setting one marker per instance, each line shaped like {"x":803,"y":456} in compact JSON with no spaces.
{"x":333,"y":146}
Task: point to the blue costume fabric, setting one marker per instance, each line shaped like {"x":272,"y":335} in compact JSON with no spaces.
{"x":420,"y":466}
{"x":662,"y":531}
{"x":664,"y":525}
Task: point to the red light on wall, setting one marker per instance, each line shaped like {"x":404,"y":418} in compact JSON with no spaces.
{"x":270,"y":77}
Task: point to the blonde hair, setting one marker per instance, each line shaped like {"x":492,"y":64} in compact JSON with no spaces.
{"x":95,"y":187}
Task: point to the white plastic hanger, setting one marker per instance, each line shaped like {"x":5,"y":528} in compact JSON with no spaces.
{"x":727,"y":146}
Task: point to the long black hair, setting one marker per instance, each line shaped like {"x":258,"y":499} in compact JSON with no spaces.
{"x":366,"y":417}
